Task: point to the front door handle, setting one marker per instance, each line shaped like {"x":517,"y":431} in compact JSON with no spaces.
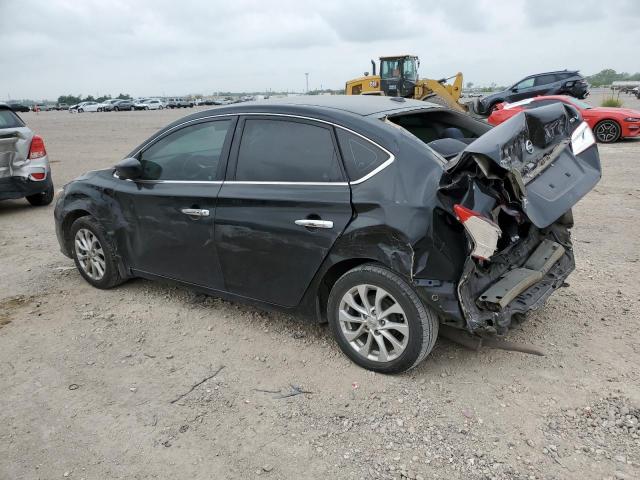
{"x":195,"y":212}
{"x":309,"y":223}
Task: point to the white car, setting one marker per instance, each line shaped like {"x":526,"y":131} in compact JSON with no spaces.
{"x":86,"y":107}
{"x":107,"y":105}
{"x":150,"y":104}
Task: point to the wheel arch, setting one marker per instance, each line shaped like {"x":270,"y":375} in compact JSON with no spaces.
{"x":68,"y":220}
{"x":330,"y":277}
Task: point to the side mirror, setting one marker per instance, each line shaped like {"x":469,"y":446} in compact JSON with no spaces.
{"x":514,"y":89}
{"x":129,"y":169}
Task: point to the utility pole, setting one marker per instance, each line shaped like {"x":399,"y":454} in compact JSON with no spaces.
{"x":307,"y":75}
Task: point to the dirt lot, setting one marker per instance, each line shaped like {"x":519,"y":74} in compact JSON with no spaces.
{"x":88,"y":378}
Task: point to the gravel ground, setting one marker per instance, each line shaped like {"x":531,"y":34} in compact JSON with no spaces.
{"x":98,"y":384}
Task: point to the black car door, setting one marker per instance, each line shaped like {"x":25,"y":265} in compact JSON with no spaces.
{"x":173,"y":204}
{"x":543,"y":84}
{"x":284,"y":203}
{"x":523,"y":89}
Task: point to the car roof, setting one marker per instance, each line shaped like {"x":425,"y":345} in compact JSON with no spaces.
{"x":362,"y":105}
{"x":359,"y":113}
{"x":575,"y":72}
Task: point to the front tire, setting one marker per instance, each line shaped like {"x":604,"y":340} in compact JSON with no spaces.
{"x":378,"y":320}
{"x":607,"y":131}
{"x":80,"y":110}
{"x":94,"y":254}
{"x":42,"y":199}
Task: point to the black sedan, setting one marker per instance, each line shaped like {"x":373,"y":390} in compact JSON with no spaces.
{"x":18,"y":107}
{"x":385,"y":217}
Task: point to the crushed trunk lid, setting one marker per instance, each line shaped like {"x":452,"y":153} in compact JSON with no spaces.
{"x":547,"y":154}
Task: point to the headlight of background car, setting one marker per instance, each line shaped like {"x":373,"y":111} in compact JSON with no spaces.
{"x":632,"y":119}
{"x":582,"y":138}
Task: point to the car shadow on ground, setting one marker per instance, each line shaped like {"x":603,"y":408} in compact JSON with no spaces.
{"x":10,"y":206}
{"x":446,"y":353}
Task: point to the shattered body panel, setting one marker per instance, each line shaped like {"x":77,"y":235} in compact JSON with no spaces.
{"x":525,"y":177}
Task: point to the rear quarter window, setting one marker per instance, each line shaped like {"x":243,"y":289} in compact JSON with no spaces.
{"x":545,"y":79}
{"x":8,"y":119}
{"x":361,"y":157}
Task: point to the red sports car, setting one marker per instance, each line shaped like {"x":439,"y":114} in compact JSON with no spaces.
{"x":608,"y":124}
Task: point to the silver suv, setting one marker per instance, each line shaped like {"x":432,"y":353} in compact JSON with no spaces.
{"x":24,"y":166}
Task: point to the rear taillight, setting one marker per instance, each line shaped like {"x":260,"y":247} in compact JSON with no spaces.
{"x":37,"y":149}
{"x":38,"y":176}
{"x":483,"y":232}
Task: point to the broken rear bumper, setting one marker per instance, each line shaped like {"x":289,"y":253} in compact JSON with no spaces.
{"x":19,"y":187}
{"x":516,"y":281}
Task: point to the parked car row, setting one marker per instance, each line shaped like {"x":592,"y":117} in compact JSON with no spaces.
{"x":117,"y":104}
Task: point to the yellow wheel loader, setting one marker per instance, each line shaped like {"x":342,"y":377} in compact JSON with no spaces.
{"x":399,"y":78}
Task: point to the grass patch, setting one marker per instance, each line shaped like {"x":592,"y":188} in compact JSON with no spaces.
{"x":611,"y":102}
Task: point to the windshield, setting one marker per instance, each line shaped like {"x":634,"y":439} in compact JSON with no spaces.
{"x":390,"y":68}
{"x":579,"y":104}
{"x":409,"y":69}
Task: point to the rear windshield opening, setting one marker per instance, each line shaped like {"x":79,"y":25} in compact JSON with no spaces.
{"x":8,"y":119}
{"x":448,"y":133}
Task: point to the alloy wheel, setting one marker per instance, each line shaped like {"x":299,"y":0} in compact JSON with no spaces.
{"x":90,"y":254}
{"x":607,"y":131}
{"x":373,"y":323}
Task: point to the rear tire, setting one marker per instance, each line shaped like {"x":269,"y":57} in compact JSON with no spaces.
{"x":377,"y":340}
{"x":94,"y":254}
{"x":42,"y":199}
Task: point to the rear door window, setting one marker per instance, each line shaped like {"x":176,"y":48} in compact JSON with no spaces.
{"x":361,"y":157}
{"x":274,"y":150}
{"x":545,"y":79}
{"x":190,"y":154}
{"x":8,"y":119}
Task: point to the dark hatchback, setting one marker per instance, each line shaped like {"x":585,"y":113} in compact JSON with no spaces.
{"x":564,"y":82}
{"x":383,"y":216}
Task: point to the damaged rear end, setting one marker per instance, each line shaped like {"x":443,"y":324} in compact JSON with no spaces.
{"x":512,"y":191}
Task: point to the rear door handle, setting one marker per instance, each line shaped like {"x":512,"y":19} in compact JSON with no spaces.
{"x":195,"y":212}
{"x":308,"y":223}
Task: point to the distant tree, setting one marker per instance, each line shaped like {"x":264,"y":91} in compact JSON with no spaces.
{"x":69,"y":99}
{"x":89,"y":98}
{"x":124,"y":96}
{"x":608,"y":76}
{"x":470,"y":85}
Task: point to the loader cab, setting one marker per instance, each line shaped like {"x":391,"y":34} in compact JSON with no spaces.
{"x":399,"y":75}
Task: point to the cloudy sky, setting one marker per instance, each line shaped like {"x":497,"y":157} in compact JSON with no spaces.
{"x":176,"y":47}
